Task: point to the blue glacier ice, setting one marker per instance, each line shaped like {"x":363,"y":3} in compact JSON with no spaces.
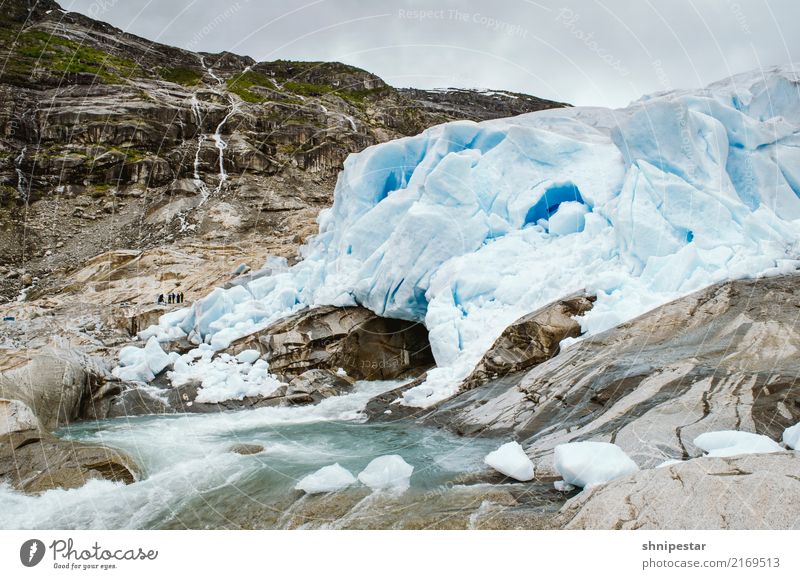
{"x":468,"y":226}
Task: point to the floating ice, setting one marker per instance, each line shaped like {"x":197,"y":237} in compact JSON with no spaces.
{"x":791,"y":436}
{"x":468,"y":226}
{"x":388,"y":472}
{"x":510,"y":459}
{"x":588,"y":463}
{"x":733,"y":442}
{"x":327,"y":479}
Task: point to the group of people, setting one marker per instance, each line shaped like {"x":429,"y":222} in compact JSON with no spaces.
{"x":173,"y":298}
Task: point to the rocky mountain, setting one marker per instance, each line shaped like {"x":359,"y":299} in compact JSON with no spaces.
{"x":110,"y":141}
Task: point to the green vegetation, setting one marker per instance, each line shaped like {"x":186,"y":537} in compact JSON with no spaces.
{"x":183,"y":76}
{"x":35,"y":52}
{"x":241,"y":84}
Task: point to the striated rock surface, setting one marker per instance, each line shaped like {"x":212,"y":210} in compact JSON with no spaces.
{"x":759,"y":491}
{"x":722,"y":358}
{"x":34,"y":461}
{"x":530,"y":340}
{"x":363,"y":344}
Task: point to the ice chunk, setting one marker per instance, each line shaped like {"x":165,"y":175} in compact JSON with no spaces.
{"x":733,"y":442}
{"x":224,"y":377}
{"x":142,"y":364}
{"x":248,"y":356}
{"x":388,"y":472}
{"x":510,"y":459}
{"x":590,"y":463}
{"x":668,"y":462}
{"x":327,"y":479}
{"x":791,"y":436}
{"x":563,"y":486}
{"x":568,"y":219}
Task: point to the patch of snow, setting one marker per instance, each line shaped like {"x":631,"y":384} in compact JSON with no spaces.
{"x":387,"y":473}
{"x":510,"y":459}
{"x":327,"y":479}
{"x":669,"y":462}
{"x":589,"y":463}
{"x":733,"y":442}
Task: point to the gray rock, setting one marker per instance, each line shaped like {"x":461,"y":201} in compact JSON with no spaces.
{"x":319,"y":384}
{"x":51,"y":382}
{"x":365,"y":345}
{"x":760,"y":491}
{"x":15,"y":416}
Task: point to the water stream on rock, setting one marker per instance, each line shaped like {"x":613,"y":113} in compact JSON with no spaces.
{"x":191,"y":477}
{"x":22,"y":181}
{"x":219,"y":142}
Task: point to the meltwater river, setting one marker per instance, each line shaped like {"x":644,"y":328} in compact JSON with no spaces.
{"x":190,"y":477}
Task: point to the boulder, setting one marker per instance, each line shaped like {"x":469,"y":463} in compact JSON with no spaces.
{"x":757,"y":491}
{"x":247,"y":449}
{"x":365,"y":345}
{"x":50,"y":382}
{"x":530,"y":340}
{"x":33,"y":461}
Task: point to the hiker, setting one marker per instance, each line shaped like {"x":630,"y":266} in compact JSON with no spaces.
{"x":161,"y":299}
{"x":180,"y":297}
{"x":171,"y":298}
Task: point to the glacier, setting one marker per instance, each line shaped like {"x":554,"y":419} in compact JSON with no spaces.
{"x":468,"y":226}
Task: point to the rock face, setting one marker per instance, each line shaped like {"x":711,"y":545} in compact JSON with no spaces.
{"x":530,"y":340}
{"x":722,"y":358}
{"x":747,"y":492}
{"x":34,"y":462}
{"x":364,"y":345}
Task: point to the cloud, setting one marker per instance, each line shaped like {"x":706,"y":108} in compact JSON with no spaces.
{"x":607,"y":52}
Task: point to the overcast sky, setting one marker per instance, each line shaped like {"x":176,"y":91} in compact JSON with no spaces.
{"x":601,"y":52}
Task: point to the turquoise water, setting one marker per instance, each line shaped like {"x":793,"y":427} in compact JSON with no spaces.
{"x":191,"y":478}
